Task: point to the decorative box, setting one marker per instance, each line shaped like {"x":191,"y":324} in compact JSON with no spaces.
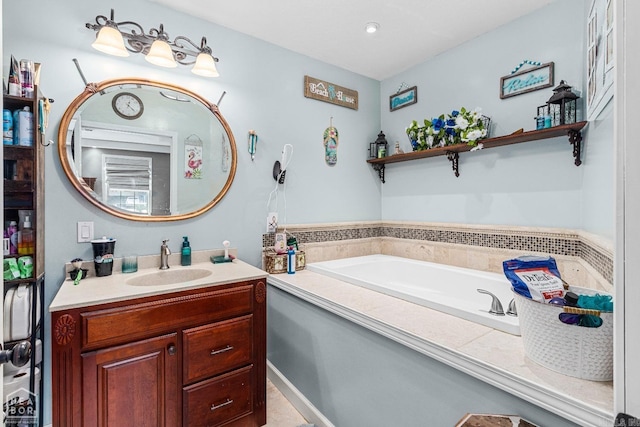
{"x":277,"y":263}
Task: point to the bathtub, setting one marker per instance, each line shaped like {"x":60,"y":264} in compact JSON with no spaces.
{"x":452,"y":290}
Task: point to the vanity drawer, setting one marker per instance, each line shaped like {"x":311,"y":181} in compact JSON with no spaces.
{"x":106,"y":327}
{"x":216,"y":348}
{"x":216,"y":401}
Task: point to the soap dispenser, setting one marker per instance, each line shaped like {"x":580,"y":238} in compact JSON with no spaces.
{"x":185,"y":258}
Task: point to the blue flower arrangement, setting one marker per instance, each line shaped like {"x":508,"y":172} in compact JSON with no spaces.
{"x":458,"y":127}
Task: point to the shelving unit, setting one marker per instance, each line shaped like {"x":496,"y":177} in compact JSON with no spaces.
{"x":23,"y":171}
{"x":572,"y":131}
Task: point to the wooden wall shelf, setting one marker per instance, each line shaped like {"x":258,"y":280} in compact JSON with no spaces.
{"x":572,"y":131}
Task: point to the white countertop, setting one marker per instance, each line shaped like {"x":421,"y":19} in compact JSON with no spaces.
{"x":493,"y":356}
{"x":99,"y":290}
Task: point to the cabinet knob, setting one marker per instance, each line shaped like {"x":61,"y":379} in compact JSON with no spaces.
{"x":171,"y":349}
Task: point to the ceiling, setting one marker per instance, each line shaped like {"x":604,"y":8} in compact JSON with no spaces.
{"x":333,"y":31}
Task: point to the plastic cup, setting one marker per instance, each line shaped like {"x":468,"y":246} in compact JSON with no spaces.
{"x":130,"y":264}
{"x":103,"y":256}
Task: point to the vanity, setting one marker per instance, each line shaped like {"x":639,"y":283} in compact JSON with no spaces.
{"x":152,"y":349}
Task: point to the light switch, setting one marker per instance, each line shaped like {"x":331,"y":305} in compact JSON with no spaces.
{"x":85,"y":231}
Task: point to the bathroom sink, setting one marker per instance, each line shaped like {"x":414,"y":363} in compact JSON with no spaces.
{"x":168,"y":277}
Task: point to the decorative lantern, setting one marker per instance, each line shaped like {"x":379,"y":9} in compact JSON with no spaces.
{"x":378,"y":149}
{"x":562,"y":105}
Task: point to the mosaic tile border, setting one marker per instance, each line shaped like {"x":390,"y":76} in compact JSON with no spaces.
{"x":560,"y":243}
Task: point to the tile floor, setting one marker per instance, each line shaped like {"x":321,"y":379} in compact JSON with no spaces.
{"x":280,"y":412}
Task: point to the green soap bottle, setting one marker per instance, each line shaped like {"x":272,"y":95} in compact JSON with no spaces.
{"x":185,"y":259}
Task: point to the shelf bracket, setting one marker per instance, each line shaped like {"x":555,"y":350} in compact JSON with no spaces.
{"x":575,"y":139}
{"x":453,"y":158}
{"x":380,"y":169}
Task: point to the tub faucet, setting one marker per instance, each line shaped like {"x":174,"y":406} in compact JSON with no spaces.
{"x":164,"y":255}
{"x":496,"y":306}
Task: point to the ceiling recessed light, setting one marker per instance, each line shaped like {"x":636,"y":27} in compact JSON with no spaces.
{"x":371,"y":27}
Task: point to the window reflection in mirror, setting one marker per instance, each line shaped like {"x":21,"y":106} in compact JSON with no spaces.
{"x":146,"y":150}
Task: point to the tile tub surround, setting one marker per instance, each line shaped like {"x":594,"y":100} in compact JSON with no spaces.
{"x":583,"y":259}
{"x":495,"y":357}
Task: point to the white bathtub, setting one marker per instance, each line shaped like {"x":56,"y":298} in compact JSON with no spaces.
{"x":452,"y":290}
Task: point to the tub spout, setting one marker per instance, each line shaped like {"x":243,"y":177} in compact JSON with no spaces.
{"x":496,"y":306}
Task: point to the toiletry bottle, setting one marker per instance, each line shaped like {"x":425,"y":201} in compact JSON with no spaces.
{"x":571,"y":299}
{"x":26,"y":77}
{"x":7,"y":127}
{"x":25,"y":123}
{"x":185,"y":258}
{"x":13,"y":237}
{"x":16,"y":127}
{"x":291,"y":261}
{"x":25,"y":245}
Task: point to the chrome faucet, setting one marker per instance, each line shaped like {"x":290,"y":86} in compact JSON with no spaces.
{"x":496,"y":306}
{"x":164,"y":255}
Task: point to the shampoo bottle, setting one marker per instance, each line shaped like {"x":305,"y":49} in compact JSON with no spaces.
{"x":25,"y":123}
{"x":291,"y":261}
{"x":25,"y":245}
{"x":185,"y":258}
{"x":13,"y":237}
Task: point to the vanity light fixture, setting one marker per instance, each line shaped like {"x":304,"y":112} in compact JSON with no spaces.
{"x":371,"y":27}
{"x":154,"y":44}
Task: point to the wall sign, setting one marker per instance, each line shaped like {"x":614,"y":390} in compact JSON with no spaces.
{"x":403,"y":99}
{"x":536,"y":78}
{"x":329,"y":92}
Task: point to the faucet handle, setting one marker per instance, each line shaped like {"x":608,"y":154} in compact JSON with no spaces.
{"x":512,"y":310}
{"x":496,"y":306}
{"x":164,"y":241}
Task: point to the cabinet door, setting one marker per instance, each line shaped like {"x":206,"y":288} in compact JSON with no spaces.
{"x":134,"y":384}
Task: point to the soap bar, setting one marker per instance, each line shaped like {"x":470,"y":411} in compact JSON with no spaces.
{"x":218,"y":259}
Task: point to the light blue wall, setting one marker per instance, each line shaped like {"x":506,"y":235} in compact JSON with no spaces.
{"x":264,"y":86}
{"x":598,"y":188}
{"x":529,"y":184}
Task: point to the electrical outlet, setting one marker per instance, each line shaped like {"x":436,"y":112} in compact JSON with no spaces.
{"x":85,"y":231}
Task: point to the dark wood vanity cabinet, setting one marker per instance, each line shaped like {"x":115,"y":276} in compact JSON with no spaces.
{"x":190,"y":358}
{"x":133,"y":384}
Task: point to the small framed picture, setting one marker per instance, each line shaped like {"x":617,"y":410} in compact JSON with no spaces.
{"x":403,"y":99}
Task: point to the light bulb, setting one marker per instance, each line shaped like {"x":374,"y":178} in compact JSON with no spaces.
{"x":371,"y":27}
{"x":110,"y":41}
{"x":161,"y":54}
{"x":205,"y":66}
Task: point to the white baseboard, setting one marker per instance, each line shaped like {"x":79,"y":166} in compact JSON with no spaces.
{"x":297,"y":399}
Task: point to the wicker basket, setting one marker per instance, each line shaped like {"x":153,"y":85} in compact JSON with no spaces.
{"x":277,"y":263}
{"x":572,"y":350}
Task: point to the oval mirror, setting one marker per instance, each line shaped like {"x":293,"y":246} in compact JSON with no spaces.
{"x":146,"y":151}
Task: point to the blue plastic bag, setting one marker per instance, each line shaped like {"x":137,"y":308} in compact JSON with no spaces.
{"x":534,"y":277}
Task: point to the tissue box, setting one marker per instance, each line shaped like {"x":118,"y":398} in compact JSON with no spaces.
{"x":275,"y":263}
